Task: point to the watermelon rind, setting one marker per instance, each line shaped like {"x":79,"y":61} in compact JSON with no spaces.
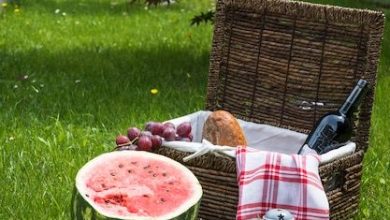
{"x":84,"y":207}
{"x":82,"y":210}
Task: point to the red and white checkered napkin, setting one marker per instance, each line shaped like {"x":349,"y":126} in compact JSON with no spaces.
{"x":270,"y":180}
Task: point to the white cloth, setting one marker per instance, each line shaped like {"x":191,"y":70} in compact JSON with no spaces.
{"x":259,"y":136}
{"x":269,"y":180}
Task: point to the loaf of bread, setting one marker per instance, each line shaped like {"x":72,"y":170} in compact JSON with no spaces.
{"x":222,"y":128}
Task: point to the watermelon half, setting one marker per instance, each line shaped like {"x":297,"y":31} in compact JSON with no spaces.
{"x":135,"y":185}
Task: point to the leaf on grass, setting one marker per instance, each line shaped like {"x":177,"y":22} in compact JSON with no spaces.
{"x":47,"y":143}
{"x":203,"y":17}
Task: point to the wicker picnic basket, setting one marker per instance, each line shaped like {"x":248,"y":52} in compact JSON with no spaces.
{"x":286,"y":63}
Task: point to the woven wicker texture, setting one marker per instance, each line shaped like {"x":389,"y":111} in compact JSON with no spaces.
{"x":286,"y":63}
{"x":341,"y":180}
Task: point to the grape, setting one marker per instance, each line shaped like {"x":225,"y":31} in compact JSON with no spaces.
{"x":184,"y":129}
{"x":169,"y":124}
{"x":148,"y":125}
{"x":133,"y":133}
{"x":144,"y":143}
{"x":122,"y":140}
{"x":169,"y":134}
{"x":146,"y":133}
{"x":156,"y":142}
{"x":156,"y":128}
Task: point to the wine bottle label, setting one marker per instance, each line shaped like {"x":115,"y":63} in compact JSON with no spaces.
{"x":323,"y":138}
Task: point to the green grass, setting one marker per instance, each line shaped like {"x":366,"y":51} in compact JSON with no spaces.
{"x":89,"y":77}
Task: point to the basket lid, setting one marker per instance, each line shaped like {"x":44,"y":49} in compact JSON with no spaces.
{"x":287,"y":63}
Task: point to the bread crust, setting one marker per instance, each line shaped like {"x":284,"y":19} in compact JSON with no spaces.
{"x":222,"y":128}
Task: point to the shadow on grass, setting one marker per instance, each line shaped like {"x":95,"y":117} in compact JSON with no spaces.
{"x":92,"y":7}
{"x":103,"y":81}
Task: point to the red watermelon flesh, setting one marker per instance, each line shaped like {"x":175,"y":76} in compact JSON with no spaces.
{"x":132,"y":184}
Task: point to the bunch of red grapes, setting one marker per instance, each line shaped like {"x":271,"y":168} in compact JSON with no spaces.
{"x":152,"y":136}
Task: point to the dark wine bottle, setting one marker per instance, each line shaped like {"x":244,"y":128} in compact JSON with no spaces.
{"x":334,"y":127}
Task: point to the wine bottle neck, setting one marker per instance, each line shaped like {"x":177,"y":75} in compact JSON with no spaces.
{"x":353,"y":99}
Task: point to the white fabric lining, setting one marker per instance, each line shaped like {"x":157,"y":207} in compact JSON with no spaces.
{"x":259,"y":136}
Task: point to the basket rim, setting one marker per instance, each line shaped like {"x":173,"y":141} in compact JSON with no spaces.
{"x":228,"y":165}
{"x":313,"y":11}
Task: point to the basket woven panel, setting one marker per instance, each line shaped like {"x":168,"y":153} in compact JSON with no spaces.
{"x":286,"y":63}
{"x":217,"y":175}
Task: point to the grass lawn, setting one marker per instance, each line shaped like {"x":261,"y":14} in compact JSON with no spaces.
{"x":74,"y":74}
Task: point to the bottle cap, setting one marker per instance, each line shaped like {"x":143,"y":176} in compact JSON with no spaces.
{"x":278,"y":214}
{"x":362,"y":83}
